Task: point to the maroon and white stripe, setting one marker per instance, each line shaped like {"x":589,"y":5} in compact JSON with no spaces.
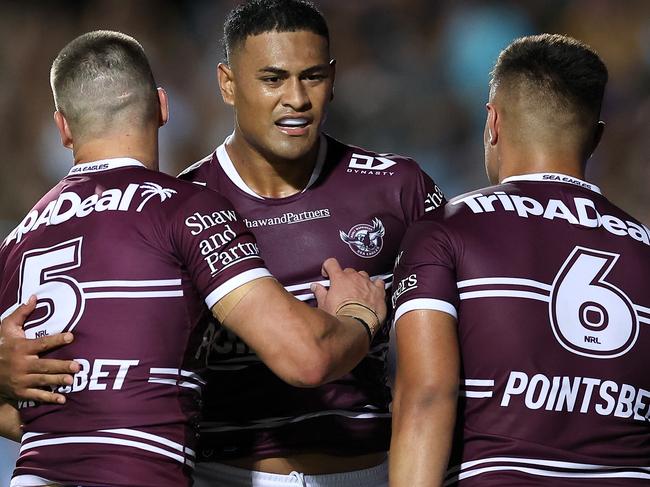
{"x":476,"y":388}
{"x":121,"y":438}
{"x":148,"y":288}
{"x":540,"y":467}
{"x":504,"y":287}
{"x":303,"y":291}
{"x":176,"y":377}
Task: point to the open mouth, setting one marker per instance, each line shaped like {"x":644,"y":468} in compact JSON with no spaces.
{"x":294,"y":125}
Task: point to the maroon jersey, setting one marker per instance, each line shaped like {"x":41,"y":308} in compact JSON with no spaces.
{"x":549,"y":282}
{"x":356,"y":208}
{"x":124,"y":257}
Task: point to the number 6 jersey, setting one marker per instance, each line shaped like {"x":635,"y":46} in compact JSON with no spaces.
{"x":550,"y":285}
{"x":126,"y":258}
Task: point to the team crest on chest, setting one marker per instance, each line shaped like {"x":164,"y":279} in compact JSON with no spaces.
{"x":365,"y":240}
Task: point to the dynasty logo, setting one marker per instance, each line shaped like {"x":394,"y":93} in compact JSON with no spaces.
{"x":365,"y":240}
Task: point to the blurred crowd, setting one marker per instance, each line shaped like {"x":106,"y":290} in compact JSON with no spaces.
{"x":411,"y":78}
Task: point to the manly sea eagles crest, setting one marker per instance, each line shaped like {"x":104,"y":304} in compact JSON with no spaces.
{"x":365,"y":240}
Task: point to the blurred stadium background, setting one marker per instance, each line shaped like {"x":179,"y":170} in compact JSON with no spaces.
{"x":411,"y":78}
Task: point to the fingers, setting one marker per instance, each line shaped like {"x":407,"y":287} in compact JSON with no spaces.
{"x":24,"y":310}
{"x":51,"y":366}
{"x":12,"y":325}
{"x":365,"y":274}
{"x":40,"y":395}
{"x":331,"y":268}
{"x":43,"y":344}
{"x":40,"y":380}
{"x":320,"y":292}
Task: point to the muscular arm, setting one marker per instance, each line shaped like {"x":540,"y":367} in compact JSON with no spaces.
{"x":10,"y":422}
{"x":307,"y":346}
{"x":424,"y":406}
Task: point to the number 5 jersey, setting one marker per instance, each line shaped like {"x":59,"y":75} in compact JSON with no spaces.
{"x":127,"y":259}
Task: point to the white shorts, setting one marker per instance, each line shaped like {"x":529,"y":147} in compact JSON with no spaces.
{"x":210,"y":474}
{"x":31,"y":481}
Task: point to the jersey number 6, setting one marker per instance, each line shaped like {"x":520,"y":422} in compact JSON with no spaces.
{"x":590,"y":316}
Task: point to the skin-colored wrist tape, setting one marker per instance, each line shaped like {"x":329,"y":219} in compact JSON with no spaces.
{"x":355,"y":309}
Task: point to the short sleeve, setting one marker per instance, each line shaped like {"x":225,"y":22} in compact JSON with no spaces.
{"x":425,"y":276}
{"x":421,"y":195}
{"x":217,"y":249}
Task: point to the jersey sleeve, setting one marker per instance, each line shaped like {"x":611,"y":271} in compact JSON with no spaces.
{"x":213,"y":243}
{"x":421,"y":195}
{"x":425,"y":276}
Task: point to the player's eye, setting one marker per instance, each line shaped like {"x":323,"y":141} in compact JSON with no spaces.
{"x":316,"y":77}
{"x":270,"y":79}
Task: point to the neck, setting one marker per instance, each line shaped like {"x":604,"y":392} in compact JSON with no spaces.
{"x":517,"y":163}
{"x":269,"y":176}
{"x":136,"y":145}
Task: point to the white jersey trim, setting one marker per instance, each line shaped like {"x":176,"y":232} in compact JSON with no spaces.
{"x":293,"y":289}
{"x":425,"y":303}
{"x":45,"y":441}
{"x":234,"y":283}
{"x":504,"y":294}
{"x":543,"y":468}
{"x":476,"y":388}
{"x":553,"y":177}
{"x":173,"y":377}
{"x":231,"y":171}
{"x":104,"y":165}
{"x":515,"y":281}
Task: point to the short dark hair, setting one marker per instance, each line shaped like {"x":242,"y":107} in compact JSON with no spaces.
{"x":98,"y":77}
{"x":255,"y":17}
{"x":556,"y":66}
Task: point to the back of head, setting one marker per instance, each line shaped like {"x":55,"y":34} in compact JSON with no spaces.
{"x":259,"y":16}
{"x":102,"y":81}
{"x":551,"y":87}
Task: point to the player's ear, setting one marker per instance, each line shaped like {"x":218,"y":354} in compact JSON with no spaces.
{"x":333,"y":75}
{"x":492,"y":124}
{"x":598,"y":134}
{"x":226,"y":83}
{"x":163,"y":116}
{"x":64,"y":129}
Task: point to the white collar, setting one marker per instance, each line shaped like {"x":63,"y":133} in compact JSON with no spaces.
{"x":230,"y":170}
{"x":553,"y":177}
{"x":104,"y":165}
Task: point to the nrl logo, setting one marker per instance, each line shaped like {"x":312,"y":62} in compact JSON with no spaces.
{"x":365,"y":240}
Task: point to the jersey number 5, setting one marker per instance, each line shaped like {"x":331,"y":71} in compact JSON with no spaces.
{"x":60,"y":298}
{"x":590,"y":316}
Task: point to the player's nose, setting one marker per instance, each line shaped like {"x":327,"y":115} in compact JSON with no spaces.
{"x":296,"y":96}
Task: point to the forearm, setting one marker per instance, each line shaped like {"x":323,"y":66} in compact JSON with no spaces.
{"x":314,"y":347}
{"x":423,"y":424}
{"x":10,"y":424}
{"x":344,"y":342}
{"x":304,"y":346}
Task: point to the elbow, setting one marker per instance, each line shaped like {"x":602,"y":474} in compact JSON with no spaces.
{"x":314,"y":368}
{"x":423,"y":398}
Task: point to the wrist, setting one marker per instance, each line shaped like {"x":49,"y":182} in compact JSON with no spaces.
{"x":362,"y":314}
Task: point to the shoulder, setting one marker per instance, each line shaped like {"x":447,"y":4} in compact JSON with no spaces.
{"x":472,"y":202}
{"x":182,"y":190}
{"x":361,"y":161}
{"x":200,"y":170}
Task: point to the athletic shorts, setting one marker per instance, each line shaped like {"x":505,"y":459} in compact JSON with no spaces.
{"x":210,"y":474}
